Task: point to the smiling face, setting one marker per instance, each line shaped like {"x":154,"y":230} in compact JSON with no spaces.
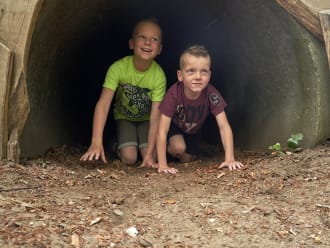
{"x":195,"y":73}
{"x":146,"y":41}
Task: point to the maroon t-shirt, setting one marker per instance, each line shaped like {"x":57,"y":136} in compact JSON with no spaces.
{"x":190,"y":115}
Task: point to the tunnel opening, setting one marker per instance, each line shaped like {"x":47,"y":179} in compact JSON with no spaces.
{"x":260,"y":64}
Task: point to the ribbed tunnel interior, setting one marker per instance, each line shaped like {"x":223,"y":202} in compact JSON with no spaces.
{"x":258,"y":52}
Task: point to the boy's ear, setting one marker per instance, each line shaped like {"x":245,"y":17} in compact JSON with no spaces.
{"x":160,"y":49}
{"x":131,"y":43}
{"x":179,"y":75}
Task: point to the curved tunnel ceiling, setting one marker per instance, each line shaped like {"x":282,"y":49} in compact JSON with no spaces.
{"x":260,"y":63}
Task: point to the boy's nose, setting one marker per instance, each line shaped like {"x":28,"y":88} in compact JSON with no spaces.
{"x":147,"y":40}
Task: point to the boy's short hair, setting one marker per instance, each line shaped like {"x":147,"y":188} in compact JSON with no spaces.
{"x":195,"y":50}
{"x":152,"y":20}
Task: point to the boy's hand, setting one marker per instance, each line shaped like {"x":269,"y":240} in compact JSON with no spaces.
{"x":167,"y":170}
{"x":149,"y":161}
{"x":94,"y":152}
{"x":232,"y":165}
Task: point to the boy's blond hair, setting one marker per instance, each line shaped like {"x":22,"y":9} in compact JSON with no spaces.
{"x":152,"y":20}
{"x":195,"y":50}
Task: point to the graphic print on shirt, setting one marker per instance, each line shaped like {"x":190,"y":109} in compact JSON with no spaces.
{"x":215,"y":99}
{"x":188,"y":118}
{"x":135,"y":102}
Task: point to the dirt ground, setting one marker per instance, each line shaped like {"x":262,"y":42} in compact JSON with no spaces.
{"x":58,"y":201}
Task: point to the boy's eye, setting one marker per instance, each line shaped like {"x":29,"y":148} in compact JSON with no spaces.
{"x":205,"y":72}
{"x":193,"y":71}
{"x":145,"y":38}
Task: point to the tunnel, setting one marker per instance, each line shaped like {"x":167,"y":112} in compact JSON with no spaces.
{"x":272,"y":72}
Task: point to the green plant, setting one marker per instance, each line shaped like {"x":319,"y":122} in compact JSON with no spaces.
{"x":293,"y":141}
{"x":277,"y":148}
{"x":292,"y":145}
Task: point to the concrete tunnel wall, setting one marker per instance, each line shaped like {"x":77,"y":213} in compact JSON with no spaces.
{"x":272,"y":72}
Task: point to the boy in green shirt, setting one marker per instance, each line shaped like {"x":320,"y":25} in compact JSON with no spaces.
{"x":138,"y":84}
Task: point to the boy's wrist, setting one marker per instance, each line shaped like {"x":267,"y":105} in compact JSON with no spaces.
{"x":96,"y":142}
{"x":149,"y":153}
{"x":162,"y":166}
{"x":229,"y":158}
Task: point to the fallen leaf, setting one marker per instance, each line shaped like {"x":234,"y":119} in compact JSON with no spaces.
{"x":316,"y":239}
{"x":248,"y":210}
{"x":170,"y":201}
{"x":292,"y":231}
{"x":95,"y":221}
{"x":114,"y":176}
{"x":102,"y":172}
{"x":221,"y":174}
{"x":283,"y":234}
{"x":145,"y":243}
{"x":75,"y":240}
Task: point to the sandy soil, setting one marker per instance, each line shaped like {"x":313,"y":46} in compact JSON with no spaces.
{"x":58,"y":201}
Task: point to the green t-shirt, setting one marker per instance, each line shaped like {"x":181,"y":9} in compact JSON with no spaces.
{"x":135,"y":90}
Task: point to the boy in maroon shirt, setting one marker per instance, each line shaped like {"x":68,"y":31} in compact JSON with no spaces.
{"x":184,"y":109}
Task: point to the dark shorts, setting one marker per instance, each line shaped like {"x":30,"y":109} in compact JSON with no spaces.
{"x":192,"y":140}
{"x":131,"y":133}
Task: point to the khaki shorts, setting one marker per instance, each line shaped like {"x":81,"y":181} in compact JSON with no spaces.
{"x":131,"y":133}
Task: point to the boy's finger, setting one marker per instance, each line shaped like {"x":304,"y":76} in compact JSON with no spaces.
{"x":222,"y":165}
{"x":103,"y":158}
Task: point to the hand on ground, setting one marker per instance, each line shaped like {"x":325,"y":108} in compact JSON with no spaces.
{"x":232,"y":165}
{"x":94,"y":152}
{"x":148,"y":161}
{"x":167,"y":170}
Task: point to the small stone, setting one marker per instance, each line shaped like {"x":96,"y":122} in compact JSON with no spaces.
{"x":118,"y":212}
{"x":132,"y":231}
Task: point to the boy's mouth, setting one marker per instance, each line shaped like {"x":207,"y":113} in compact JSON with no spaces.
{"x":147,"y":50}
{"x":197,"y":85}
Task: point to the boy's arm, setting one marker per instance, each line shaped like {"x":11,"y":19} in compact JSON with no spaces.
{"x":152,"y":135}
{"x":96,"y":150}
{"x":226,"y":136}
{"x":164,"y":126}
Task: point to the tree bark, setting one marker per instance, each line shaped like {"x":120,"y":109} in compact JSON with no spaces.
{"x":6,"y":63}
{"x":304,"y":15}
{"x":325,"y":23}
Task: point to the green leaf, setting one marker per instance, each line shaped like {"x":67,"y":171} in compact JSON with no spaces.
{"x":276,"y":147}
{"x":293,"y":141}
{"x":297,"y":137}
{"x":292,"y":144}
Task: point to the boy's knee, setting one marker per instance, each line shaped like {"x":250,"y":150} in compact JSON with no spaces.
{"x":128,"y":157}
{"x":128,"y":160}
{"x":177,"y":148}
{"x":186,"y":158}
